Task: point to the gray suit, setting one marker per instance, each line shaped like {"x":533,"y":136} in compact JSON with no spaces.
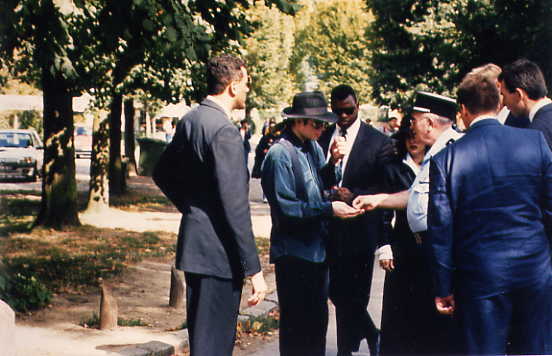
{"x":203,"y":173}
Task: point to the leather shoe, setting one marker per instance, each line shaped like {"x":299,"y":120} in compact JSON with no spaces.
{"x":374,"y":344}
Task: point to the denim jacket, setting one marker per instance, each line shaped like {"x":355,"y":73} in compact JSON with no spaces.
{"x":299,"y":227}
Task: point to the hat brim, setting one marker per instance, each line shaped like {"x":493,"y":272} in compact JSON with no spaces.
{"x":327,"y":116}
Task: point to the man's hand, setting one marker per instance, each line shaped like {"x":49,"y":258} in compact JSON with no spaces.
{"x":369,"y":202}
{"x":344,"y":211}
{"x":259,"y":289}
{"x":387,"y":265}
{"x":338,"y":149}
{"x":445,"y":305}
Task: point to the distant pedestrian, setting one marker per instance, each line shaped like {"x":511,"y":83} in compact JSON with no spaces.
{"x":245,"y":133}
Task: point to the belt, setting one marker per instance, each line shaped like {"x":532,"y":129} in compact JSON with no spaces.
{"x":420,"y":236}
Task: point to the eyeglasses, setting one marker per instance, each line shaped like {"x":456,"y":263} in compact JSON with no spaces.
{"x":319,"y":124}
{"x":346,"y":111}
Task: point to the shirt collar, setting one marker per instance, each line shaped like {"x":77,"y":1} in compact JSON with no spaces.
{"x":441,"y":142}
{"x":539,"y":104}
{"x":352,"y":130}
{"x":482,"y":117}
{"x":409,"y":161}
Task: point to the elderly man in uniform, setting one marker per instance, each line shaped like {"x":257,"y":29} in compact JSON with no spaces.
{"x":432,"y":119}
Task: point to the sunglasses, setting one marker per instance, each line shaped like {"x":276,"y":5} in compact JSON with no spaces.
{"x":346,"y":111}
{"x":319,"y":124}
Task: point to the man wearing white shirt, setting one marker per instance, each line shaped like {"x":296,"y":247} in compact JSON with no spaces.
{"x":524,"y":92}
{"x":364,"y":151}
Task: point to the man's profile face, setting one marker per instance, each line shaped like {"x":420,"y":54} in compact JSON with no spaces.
{"x":241,"y":90}
{"x":512,"y":101}
{"x":419,"y":126}
{"x":346,"y":111}
{"x":311,"y":129}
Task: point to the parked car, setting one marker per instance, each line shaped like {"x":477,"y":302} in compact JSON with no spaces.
{"x":83,"y":141}
{"x":21,"y":154}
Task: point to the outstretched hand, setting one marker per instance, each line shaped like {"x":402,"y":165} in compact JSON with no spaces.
{"x":445,"y":305}
{"x":259,"y":289}
{"x":369,"y":202}
{"x":344,"y":211}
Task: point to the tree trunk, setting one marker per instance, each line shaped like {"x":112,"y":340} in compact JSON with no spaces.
{"x":117,"y":184}
{"x":58,"y":207}
{"x":98,"y":194}
{"x":130,"y":145}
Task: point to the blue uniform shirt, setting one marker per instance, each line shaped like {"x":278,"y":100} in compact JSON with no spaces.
{"x":416,"y":210}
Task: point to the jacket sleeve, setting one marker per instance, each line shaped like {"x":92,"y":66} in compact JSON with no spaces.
{"x":440,"y":227}
{"x":278,"y":183}
{"x":547,"y":194}
{"x":231,"y":179}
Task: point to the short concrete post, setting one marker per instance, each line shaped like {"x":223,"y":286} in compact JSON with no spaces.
{"x":176,"y":297}
{"x":108,"y":308}
{"x":7,"y":330}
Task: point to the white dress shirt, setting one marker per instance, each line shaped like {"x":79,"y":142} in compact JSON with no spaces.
{"x":542,"y":102}
{"x":352,"y":132}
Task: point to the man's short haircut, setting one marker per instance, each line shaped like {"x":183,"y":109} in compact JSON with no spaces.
{"x":221,"y":71}
{"x":526,"y":75}
{"x":489,"y":70}
{"x":341,"y":92}
{"x":479,"y":94}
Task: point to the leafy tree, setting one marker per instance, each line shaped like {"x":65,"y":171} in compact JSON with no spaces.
{"x":335,"y":46}
{"x":267,"y":55}
{"x":432,"y":44}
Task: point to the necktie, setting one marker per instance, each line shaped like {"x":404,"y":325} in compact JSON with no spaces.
{"x":342,"y":133}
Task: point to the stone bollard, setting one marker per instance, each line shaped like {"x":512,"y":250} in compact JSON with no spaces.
{"x":108,"y":308}
{"x":176,"y":297}
{"x":7,"y":330}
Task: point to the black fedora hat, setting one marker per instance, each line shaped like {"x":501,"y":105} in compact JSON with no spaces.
{"x":436,"y":104}
{"x":309,"y":105}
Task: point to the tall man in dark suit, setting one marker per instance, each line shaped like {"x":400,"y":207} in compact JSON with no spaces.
{"x":203,"y":173}
{"x":524,"y":93}
{"x":352,"y":242}
{"x":490,"y":206}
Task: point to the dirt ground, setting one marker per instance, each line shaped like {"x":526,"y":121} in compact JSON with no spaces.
{"x":142,"y":291}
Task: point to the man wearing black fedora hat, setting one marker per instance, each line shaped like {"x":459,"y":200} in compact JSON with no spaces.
{"x":432,"y":119}
{"x":294,"y":176}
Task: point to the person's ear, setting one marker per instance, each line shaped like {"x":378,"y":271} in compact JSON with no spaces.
{"x":233,"y":88}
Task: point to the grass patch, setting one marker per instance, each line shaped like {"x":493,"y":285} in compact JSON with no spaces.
{"x":263,"y":245}
{"x":94,"y":322}
{"x":135,"y":201}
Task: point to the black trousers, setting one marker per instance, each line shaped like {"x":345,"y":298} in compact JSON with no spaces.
{"x":212,"y":306}
{"x":524,"y":316}
{"x":350,"y":283}
{"x":303,"y":297}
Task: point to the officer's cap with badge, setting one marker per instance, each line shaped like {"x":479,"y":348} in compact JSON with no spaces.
{"x":436,"y":104}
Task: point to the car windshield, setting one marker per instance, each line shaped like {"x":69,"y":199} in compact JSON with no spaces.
{"x":15,"y":139}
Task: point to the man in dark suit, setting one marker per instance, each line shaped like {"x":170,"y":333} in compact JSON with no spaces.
{"x":203,"y":173}
{"x":490,"y":206}
{"x":524,"y":92}
{"x":352,"y":242}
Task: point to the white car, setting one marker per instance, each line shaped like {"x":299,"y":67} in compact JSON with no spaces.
{"x":21,"y":154}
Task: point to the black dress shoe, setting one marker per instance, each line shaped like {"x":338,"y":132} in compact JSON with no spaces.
{"x":374,"y":344}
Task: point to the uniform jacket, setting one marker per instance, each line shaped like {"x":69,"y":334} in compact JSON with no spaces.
{"x":489,"y":210}
{"x":203,"y":173}
{"x":363,"y":175}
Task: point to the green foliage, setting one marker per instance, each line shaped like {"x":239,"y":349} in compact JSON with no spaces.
{"x":334,"y":45}
{"x":24,"y":292}
{"x":431,"y":45}
{"x":94,"y":322}
{"x":259,"y":324}
{"x":267,"y":55}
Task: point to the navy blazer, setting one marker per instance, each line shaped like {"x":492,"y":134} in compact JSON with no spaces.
{"x":364,"y":174}
{"x":202,"y":171}
{"x":543,"y":122}
{"x":490,"y":205}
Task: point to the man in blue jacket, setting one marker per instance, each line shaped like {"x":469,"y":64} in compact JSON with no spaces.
{"x":489,"y":214}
